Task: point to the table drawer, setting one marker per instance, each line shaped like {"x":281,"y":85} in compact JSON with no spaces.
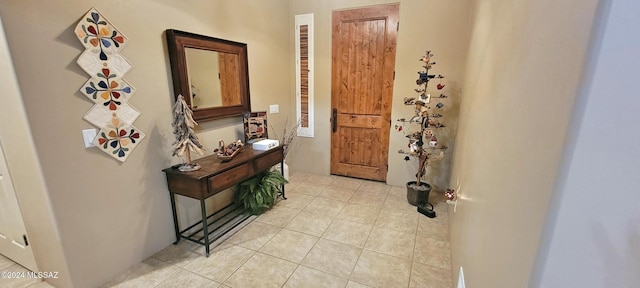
{"x":269,"y":160}
{"x":185,"y":186}
{"x":230,"y":177}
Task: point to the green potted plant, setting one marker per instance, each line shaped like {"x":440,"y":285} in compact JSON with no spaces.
{"x":425,"y":118}
{"x":259,"y":193}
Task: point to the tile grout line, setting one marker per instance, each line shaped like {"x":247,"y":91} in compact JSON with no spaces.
{"x":364,"y":245}
{"x":283,"y":228}
{"x":332,"y":220}
{"x":265,"y":243}
{"x":327,"y":229}
{"x":300,"y":264}
{"x":185,"y":269}
{"x":413,"y":256}
{"x":294,"y":272}
{"x":172,"y":274}
{"x":269,"y":255}
{"x":243,"y":263}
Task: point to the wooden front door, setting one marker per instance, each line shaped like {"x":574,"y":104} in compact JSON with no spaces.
{"x":363,"y":55}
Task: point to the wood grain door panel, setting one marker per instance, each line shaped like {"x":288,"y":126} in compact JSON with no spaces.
{"x":363,"y":55}
{"x":229,"y":84}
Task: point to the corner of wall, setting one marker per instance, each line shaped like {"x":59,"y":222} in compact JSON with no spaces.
{"x":26,"y":174}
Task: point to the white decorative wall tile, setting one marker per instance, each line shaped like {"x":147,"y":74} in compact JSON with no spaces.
{"x":106,"y":87}
{"x":101,"y":116}
{"x":91,"y":64}
{"x":118,"y":139}
{"x":108,"y":90}
{"x":98,"y":35}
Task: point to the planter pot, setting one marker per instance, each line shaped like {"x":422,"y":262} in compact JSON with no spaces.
{"x":286,"y":170}
{"x":417,"y":193}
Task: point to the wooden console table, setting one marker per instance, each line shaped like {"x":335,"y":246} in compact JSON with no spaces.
{"x":214,"y":177}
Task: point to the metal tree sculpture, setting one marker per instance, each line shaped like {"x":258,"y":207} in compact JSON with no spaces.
{"x":425,"y":118}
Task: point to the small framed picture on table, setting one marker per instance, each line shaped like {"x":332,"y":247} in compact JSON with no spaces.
{"x":255,"y":126}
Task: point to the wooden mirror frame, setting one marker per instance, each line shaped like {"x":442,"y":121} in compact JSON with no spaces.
{"x":177,"y":41}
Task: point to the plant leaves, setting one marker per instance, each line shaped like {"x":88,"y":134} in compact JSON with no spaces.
{"x":259,"y":200}
{"x":260,"y":192}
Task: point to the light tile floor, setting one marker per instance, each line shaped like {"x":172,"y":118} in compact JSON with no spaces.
{"x":6,"y":265}
{"x":331,"y":232}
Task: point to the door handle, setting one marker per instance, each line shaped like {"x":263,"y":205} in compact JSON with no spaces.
{"x":334,"y":119}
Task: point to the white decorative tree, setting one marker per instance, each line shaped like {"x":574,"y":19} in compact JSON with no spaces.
{"x":186,"y":138}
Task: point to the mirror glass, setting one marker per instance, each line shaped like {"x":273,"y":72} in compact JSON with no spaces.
{"x":213,"y":80}
{"x":211,"y":74}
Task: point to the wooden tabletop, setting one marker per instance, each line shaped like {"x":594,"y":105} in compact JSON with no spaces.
{"x":213,"y":165}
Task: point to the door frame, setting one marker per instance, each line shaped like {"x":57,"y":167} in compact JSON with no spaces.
{"x":18,"y":250}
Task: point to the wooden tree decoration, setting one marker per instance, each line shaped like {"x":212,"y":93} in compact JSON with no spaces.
{"x":426,"y":117}
{"x":186,"y":138}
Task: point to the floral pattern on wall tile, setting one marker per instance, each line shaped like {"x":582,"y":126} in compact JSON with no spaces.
{"x":108,"y":90}
{"x":106,"y":87}
{"x":118,"y":139}
{"x":99,"y":36}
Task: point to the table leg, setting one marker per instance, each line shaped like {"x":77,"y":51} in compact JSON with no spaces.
{"x":175,"y":217}
{"x":205,"y":227}
{"x":282,"y":173}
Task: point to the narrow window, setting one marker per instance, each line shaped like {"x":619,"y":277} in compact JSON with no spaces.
{"x":304,"y":74}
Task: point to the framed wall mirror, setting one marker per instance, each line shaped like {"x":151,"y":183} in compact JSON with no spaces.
{"x":212,"y":74}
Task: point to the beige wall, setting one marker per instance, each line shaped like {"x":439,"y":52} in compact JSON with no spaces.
{"x":593,"y":230}
{"x":524,"y":66}
{"x":441,"y":26}
{"x":113,"y":215}
{"x":23,"y":164}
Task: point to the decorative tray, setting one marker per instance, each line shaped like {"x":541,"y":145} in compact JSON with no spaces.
{"x":231,"y":150}
{"x":225,"y":158}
